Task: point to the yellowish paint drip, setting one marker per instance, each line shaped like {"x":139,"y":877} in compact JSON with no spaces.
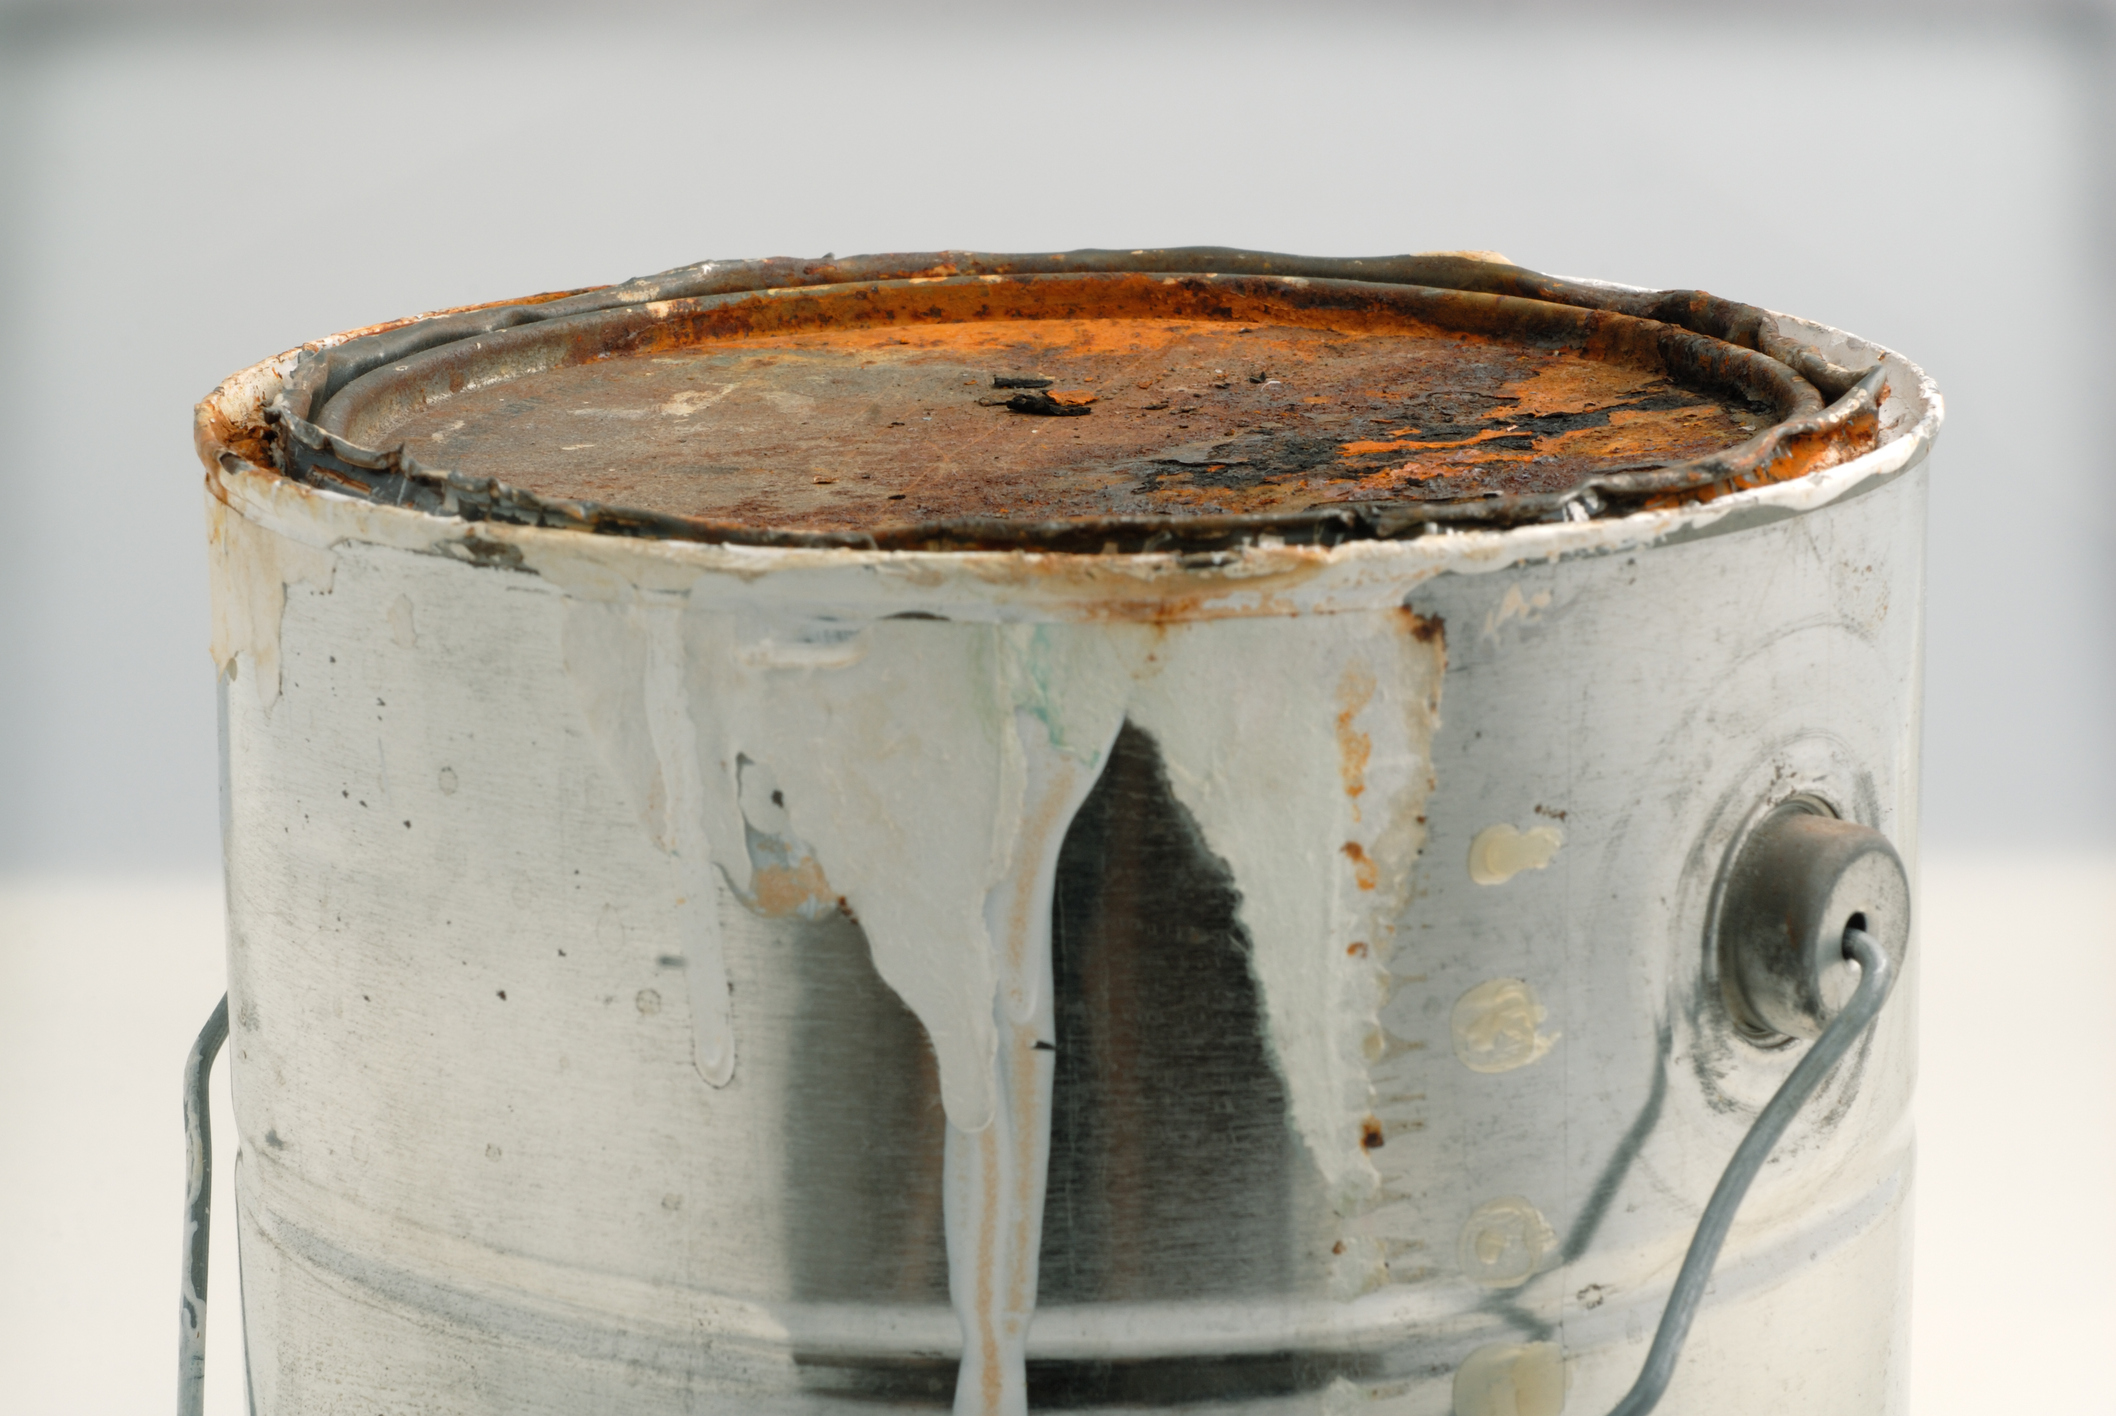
{"x":1498,"y":1026}
{"x":1499,"y":853}
{"x":249,"y":568}
{"x":1504,"y":1242}
{"x":1511,"y":1379}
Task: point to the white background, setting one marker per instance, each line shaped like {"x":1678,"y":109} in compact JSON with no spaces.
{"x":186,"y":188}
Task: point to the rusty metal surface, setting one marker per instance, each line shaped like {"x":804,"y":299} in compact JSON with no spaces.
{"x":972,"y":406}
{"x":841,"y":431}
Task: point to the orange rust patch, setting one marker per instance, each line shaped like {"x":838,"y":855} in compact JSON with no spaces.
{"x":1354,"y":748}
{"x":987,"y":1256}
{"x":1426,"y":629}
{"x":1801,"y":454}
{"x":1365,"y":873}
{"x":861,"y":409}
{"x":213,"y":432}
{"x":1362,"y":449}
{"x":1029,"y":1099}
{"x":779,"y":890}
{"x":1569,"y":383}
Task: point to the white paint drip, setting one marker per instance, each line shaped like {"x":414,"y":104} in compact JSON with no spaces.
{"x":625,"y":660}
{"x":886,"y":744}
{"x":691,"y":850}
{"x":995,"y":1178}
{"x":931,"y":768}
{"x":250,"y":568}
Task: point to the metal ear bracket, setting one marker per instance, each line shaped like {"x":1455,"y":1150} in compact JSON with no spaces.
{"x":1799,"y":879}
{"x":1814,"y":922}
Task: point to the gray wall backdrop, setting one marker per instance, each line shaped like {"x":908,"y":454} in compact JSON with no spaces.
{"x":188,"y":188}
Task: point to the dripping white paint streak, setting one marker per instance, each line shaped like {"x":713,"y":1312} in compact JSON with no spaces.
{"x":930,"y":769}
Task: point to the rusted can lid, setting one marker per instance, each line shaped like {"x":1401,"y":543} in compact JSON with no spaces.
{"x":1092,"y":400}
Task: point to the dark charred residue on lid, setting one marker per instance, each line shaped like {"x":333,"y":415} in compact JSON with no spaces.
{"x":1069,"y":403}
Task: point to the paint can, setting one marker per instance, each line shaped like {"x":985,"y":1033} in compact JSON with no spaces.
{"x":1120,"y":830}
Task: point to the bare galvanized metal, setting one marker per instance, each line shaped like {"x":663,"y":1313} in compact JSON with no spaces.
{"x":495,"y":1157}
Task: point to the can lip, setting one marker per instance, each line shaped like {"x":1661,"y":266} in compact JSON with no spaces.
{"x":1884,"y":413}
{"x":1407,"y":398}
{"x":1724,"y":340}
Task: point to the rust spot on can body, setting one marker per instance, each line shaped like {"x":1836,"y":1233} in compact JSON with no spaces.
{"x":1354,"y":748}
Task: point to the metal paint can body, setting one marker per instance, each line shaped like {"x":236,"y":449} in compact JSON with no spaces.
{"x":1381,"y":1059}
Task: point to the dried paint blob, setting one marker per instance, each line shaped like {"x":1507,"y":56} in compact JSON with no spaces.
{"x":1511,"y":1379}
{"x":1500,"y":852}
{"x":1498,"y":1026}
{"x":1504,"y":1242}
{"x":251,"y":571}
